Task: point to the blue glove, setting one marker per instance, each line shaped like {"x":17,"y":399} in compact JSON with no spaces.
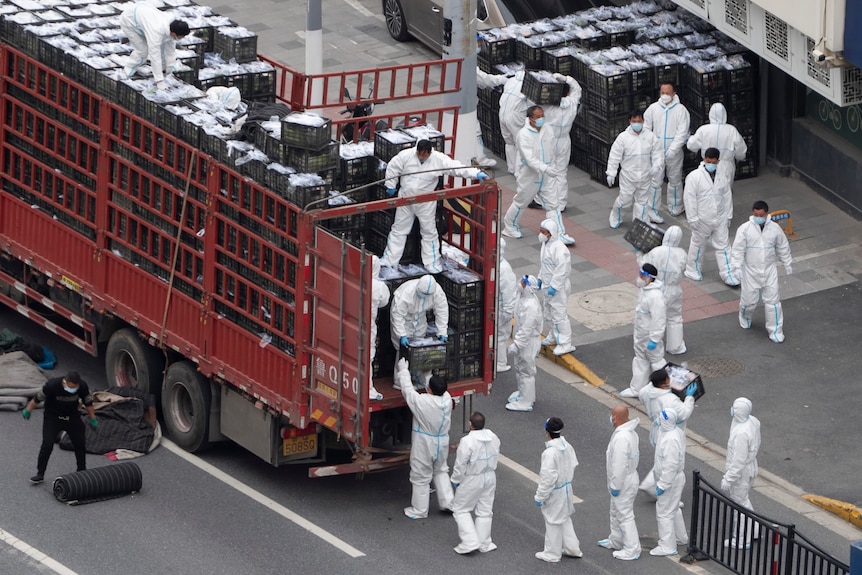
{"x":455,"y":485}
{"x":651,"y":345}
{"x":482,"y":176}
{"x":391,"y":192}
{"x":538,"y":503}
{"x":444,"y":338}
{"x":404,"y":340}
{"x":94,"y":423}
{"x":615,"y":492}
{"x":551,"y":291}
{"x":658,"y":491}
{"x":691,"y":390}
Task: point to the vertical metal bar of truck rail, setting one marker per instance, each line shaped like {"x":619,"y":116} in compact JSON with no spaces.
{"x":340,"y":424}
{"x":362,"y":389}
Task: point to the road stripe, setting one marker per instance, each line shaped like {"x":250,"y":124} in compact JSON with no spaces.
{"x":523,"y":471}
{"x":359,"y":7}
{"x":263,"y":499}
{"x":35,"y":554}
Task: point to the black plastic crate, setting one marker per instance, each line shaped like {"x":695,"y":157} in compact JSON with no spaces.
{"x":704,"y":83}
{"x":462,"y":287}
{"x":611,"y":86}
{"x":580,"y":158}
{"x":425,"y":356}
{"x":297,"y":134}
{"x":465,"y":318}
{"x":579,"y":134}
{"x":599,"y":42}
{"x":262,"y":84}
{"x":466,"y":367}
{"x":385,"y":149}
{"x":241,"y":49}
{"x":466,"y":342}
{"x":613,"y":107}
{"x":437,"y":138}
{"x":746,"y":169}
{"x":740,"y":78}
{"x":644,"y":236}
{"x":643,"y":79}
{"x":558,"y":60}
{"x":529,"y":56}
{"x":309,"y":161}
{"x":597,"y":168}
{"x":681,"y":377}
{"x":381,"y":220}
{"x":497,"y":50}
{"x":353,"y":171}
{"x":352,"y":222}
{"x":665,"y":74}
{"x":542,"y":93}
{"x":598,"y":149}
{"x":606,"y":129}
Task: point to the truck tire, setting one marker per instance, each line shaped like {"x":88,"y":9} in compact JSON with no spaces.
{"x":129,"y":361}
{"x":186,"y":406}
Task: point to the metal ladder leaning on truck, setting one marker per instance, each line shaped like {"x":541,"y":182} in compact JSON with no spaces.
{"x":236,"y":307}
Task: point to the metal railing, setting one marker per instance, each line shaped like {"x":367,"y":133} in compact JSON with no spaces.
{"x":767,"y":547}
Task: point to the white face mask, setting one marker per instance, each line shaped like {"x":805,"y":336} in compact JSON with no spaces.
{"x":543,"y":238}
{"x":640,"y":282}
{"x":665,"y":99}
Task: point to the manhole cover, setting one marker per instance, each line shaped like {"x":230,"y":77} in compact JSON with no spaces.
{"x":608,"y":301}
{"x":713,"y":367}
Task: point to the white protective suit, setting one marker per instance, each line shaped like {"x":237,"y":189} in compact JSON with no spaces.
{"x":654,"y":400}
{"x":621,"y":460}
{"x":410,"y":303}
{"x":513,"y":110}
{"x":404,"y":166}
{"x":230,"y":98}
{"x":508,"y":298}
{"x":637,"y":155}
{"x":555,"y":494}
{"x":475,"y":477}
{"x":708,"y":209}
{"x":753,"y":260}
{"x":650,"y":324}
{"x":556,"y":266}
{"x":536,"y":153}
{"x":722,"y":136}
{"x":432,"y":417}
{"x":669,"y":260}
{"x":485,"y":81}
{"x":670,"y":477}
{"x":149,"y":33}
{"x":741,"y":466}
{"x":379,"y":298}
{"x":671,"y":126}
{"x":559,"y":120}
{"x":527,"y":340}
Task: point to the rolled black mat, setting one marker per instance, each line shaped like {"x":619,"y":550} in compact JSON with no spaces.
{"x":99,"y":483}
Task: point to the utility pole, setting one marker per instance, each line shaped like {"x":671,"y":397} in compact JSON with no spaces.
{"x":459,"y":41}
{"x":314,"y":45}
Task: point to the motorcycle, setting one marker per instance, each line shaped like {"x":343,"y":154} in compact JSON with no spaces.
{"x":361,"y":131}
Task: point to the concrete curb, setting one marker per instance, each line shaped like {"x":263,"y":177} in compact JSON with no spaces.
{"x":574,"y":365}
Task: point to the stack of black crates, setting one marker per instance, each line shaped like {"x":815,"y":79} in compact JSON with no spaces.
{"x":465,"y":292}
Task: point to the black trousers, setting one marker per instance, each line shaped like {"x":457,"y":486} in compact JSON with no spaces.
{"x":52,"y":425}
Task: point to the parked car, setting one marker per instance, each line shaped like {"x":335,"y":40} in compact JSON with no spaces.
{"x":423,"y":19}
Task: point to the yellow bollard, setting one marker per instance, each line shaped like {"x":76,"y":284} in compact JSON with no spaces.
{"x":784,"y":219}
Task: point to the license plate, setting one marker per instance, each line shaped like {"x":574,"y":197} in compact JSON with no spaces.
{"x":298,"y":445}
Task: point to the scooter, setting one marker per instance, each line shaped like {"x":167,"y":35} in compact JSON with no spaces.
{"x":361,"y":131}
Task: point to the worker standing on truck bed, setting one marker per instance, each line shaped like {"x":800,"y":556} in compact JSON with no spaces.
{"x":153,"y":36}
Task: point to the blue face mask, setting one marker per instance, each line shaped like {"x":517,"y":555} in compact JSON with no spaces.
{"x":540,"y":122}
{"x":759,"y":221}
{"x":637,"y":126}
{"x":711,"y":168}
{"x":731,"y":412}
{"x":478,"y":51}
{"x":70,"y":390}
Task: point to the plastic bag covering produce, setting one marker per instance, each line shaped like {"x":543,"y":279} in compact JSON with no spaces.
{"x":509,"y":68}
{"x":633,"y":64}
{"x":356,"y":150}
{"x":402,"y":271}
{"x":235,"y":32}
{"x":645,"y":49}
{"x":608,"y":70}
{"x":545,"y":77}
{"x":305,"y":180}
{"x":453,"y":256}
{"x":680,"y":376}
{"x":252,"y":154}
{"x":426,"y":132}
{"x":618,"y":53}
{"x":339,"y":199}
{"x":663,"y":59}
{"x":671,"y":44}
{"x":305,"y":119}
{"x":24,"y":18}
{"x":281,"y":168}
{"x":52,"y":29}
{"x":646,"y":8}
{"x":396,"y":136}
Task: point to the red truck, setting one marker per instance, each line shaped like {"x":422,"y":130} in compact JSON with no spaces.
{"x":235,"y":306}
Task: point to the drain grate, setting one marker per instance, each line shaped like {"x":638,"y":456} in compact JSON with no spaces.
{"x":713,"y":367}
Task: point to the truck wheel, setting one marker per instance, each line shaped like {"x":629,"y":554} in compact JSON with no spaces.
{"x":186,"y":406}
{"x":129,"y":361}
{"x":396,"y":23}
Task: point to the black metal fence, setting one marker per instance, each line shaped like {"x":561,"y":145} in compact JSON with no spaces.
{"x":748,"y":543}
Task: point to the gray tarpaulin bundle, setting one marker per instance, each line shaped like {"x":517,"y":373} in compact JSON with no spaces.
{"x":98,"y":484}
{"x":20,"y":380}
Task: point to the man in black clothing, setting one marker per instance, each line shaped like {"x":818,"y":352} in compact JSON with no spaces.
{"x":62,"y":395}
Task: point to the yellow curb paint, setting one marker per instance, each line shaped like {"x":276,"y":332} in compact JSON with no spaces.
{"x":842,"y":509}
{"x":569,"y":361}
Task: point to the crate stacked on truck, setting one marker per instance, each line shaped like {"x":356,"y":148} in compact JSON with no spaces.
{"x":135,"y":219}
{"x":620,"y":55}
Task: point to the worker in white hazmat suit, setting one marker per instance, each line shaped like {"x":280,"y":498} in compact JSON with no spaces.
{"x":556,"y":266}
{"x":670,"y":480}
{"x":474,"y":477}
{"x":655,"y":396}
{"x":536,"y":153}
{"x":637,"y":153}
{"x":555,"y":497}
{"x":410,"y":304}
{"x":649,"y":327}
{"x":758,"y":243}
{"x":513,"y":110}
{"x":559,"y":120}
{"x":508,"y":298}
{"x":741,"y":468}
{"x":229,"y":98}
{"x":621,"y":459}
{"x":526,"y":344}
{"x":669,"y":120}
{"x":418,"y":170}
{"x":708,"y":202}
{"x":669,"y":260}
{"x":722,"y":136}
{"x":429,"y":450}
{"x":379,"y":298}
{"x":152,"y":35}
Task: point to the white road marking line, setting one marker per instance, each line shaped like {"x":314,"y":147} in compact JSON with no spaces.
{"x":523,"y":471}
{"x":35,"y":554}
{"x":359,"y":7}
{"x":263,"y":499}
